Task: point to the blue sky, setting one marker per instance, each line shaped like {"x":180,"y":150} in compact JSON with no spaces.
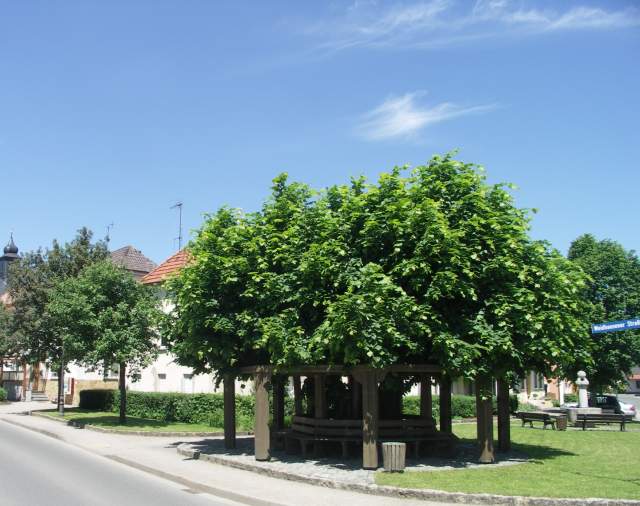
{"x":113,"y":111}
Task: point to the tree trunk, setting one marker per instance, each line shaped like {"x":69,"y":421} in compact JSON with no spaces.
{"x":123,"y":393}
{"x":61,"y":390}
{"x":504,"y":427}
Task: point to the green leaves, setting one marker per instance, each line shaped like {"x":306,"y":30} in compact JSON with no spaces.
{"x":105,"y":317}
{"x":613,"y":290}
{"x":427,"y":265}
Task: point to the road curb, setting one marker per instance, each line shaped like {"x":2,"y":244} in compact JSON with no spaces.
{"x":193,"y":485}
{"x":185,"y":449}
{"x":143,"y":433}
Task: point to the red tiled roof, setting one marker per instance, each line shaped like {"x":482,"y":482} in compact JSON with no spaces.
{"x":170,"y":266}
{"x":634,"y":377}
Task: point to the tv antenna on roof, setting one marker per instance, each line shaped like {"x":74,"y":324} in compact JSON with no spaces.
{"x":109,"y":228}
{"x":179,"y":206}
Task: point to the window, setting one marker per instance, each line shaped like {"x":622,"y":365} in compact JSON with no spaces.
{"x":637,"y":383}
{"x":188,"y":376}
{"x":538,"y":381}
{"x":162,"y":376}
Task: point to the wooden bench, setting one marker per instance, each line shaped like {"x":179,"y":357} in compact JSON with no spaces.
{"x":537,"y":416}
{"x":311,"y":432}
{"x":603,"y":418}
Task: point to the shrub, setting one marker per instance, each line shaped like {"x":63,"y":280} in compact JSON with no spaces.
{"x":98,"y":400}
{"x":209,"y":408}
{"x":570,"y":398}
{"x":3,"y":394}
{"x":176,"y":407}
{"x":513,"y":403}
{"x":463,"y":406}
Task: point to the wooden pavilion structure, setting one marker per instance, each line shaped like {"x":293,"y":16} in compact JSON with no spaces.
{"x":366,"y":423}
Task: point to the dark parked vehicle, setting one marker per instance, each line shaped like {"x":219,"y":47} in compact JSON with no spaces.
{"x":608,"y":403}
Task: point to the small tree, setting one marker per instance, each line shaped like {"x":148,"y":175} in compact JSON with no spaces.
{"x":32,"y":279}
{"x":614,"y":293}
{"x":106,"y":319}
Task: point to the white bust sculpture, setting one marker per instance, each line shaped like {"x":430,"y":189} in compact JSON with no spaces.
{"x":583,"y":384}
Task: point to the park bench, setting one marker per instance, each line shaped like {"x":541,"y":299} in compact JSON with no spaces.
{"x":536,"y":416}
{"x":311,"y":432}
{"x":603,"y":418}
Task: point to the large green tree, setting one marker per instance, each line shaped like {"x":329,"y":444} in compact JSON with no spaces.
{"x":31,"y":280}
{"x":105,"y":318}
{"x":614,"y":291}
{"x":431,"y":264}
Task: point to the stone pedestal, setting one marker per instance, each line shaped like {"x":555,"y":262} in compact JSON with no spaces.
{"x":574,"y":412}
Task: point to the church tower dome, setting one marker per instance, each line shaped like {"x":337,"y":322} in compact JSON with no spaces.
{"x":11,"y":249}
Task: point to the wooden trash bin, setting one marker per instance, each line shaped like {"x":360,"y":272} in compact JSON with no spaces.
{"x":394,"y":456}
{"x":561,"y":422}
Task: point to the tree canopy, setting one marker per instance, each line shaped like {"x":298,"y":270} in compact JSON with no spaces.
{"x":425,"y":265}
{"x":31,"y":280}
{"x":106,"y":318}
{"x":614,"y":291}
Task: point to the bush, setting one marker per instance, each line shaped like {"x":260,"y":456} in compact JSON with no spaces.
{"x":3,"y":394}
{"x":209,"y":408}
{"x":98,"y":400}
{"x":513,"y":403}
{"x":462,"y":406}
{"x":176,"y":407}
{"x":570,"y":398}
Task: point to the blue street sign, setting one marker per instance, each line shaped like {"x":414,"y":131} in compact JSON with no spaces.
{"x":617,"y":326}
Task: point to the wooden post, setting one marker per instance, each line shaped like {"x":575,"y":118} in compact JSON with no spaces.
{"x":445,"y":404}
{"x":278,"y":403}
{"x":370,"y":420}
{"x":229,"y":387}
{"x":504,"y":424}
{"x":484,"y":408}
{"x":356,"y":398}
{"x":319,"y":396}
{"x":297,"y":396}
{"x":426,"y":401}
{"x":261,"y":427}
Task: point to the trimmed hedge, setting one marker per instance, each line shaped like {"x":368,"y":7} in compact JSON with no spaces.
{"x":97,"y":400}
{"x":3,"y":394}
{"x":209,"y":408}
{"x":175,"y":407}
{"x":462,"y":406}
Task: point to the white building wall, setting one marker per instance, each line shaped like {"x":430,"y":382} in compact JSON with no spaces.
{"x":164,"y":375}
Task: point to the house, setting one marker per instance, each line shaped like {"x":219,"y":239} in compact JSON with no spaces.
{"x":165,"y":375}
{"x":133,"y":261}
{"x":633,"y":381}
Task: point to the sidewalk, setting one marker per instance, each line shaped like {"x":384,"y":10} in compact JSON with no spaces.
{"x":159,"y":457}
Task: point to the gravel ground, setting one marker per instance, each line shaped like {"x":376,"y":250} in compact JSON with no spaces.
{"x":337,"y":469}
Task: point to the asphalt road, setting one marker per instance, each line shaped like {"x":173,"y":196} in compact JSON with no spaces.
{"x":36,"y":469}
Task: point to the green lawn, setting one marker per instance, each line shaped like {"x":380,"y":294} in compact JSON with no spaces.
{"x":110,"y":420}
{"x":593,"y":463}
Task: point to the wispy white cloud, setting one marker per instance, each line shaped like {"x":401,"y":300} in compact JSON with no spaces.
{"x":441,"y":22}
{"x":404,"y":117}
